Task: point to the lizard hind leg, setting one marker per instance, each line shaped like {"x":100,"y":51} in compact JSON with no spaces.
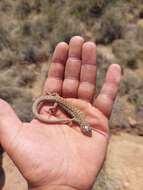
{"x":70,"y":122}
{"x":52,"y":109}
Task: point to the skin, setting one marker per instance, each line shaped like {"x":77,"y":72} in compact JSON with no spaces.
{"x":58,"y":156}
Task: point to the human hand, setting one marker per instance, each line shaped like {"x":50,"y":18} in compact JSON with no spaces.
{"x":57,"y":156}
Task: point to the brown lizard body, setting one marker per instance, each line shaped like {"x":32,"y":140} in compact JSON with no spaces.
{"x":76,"y":115}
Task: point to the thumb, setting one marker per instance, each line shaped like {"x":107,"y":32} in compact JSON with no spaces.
{"x":9,"y":125}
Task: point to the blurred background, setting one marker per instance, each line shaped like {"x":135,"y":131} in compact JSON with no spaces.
{"x":29,"y":31}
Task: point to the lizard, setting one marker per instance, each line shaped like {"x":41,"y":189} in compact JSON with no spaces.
{"x":76,"y":115}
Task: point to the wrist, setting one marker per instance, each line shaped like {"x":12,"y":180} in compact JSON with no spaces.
{"x":54,"y":187}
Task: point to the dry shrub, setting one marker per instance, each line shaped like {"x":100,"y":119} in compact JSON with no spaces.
{"x":17,"y":76}
{"x":4,"y":38}
{"x":26,"y":28}
{"x":4,"y":6}
{"x":30,"y":55}
{"x":141,"y":14}
{"x":104,"y":59}
{"x":135,"y":98}
{"x":130,"y":82}
{"x":23,"y":9}
{"x":20,"y":100}
{"x":127,"y":53}
{"x":120,"y":113}
{"x":112,"y":25}
{"x":87,"y":9}
{"x":140,"y":31}
{"x":8,"y":76}
{"x":33,"y":55}
{"x":64,"y":30}
{"x":4,"y":64}
{"x":132,"y":88}
{"x":25,"y":78}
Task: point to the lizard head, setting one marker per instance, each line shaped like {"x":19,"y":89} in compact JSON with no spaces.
{"x":86,"y":129}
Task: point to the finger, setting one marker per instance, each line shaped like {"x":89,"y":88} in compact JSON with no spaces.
{"x":72,"y":69}
{"x":88,"y":72}
{"x":56,"y":71}
{"x":105,"y":99}
{"x":9,"y":125}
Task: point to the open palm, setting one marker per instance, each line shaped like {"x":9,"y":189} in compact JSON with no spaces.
{"x":58,"y":154}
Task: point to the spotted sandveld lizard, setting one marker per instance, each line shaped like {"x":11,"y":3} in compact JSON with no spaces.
{"x":76,"y":115}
